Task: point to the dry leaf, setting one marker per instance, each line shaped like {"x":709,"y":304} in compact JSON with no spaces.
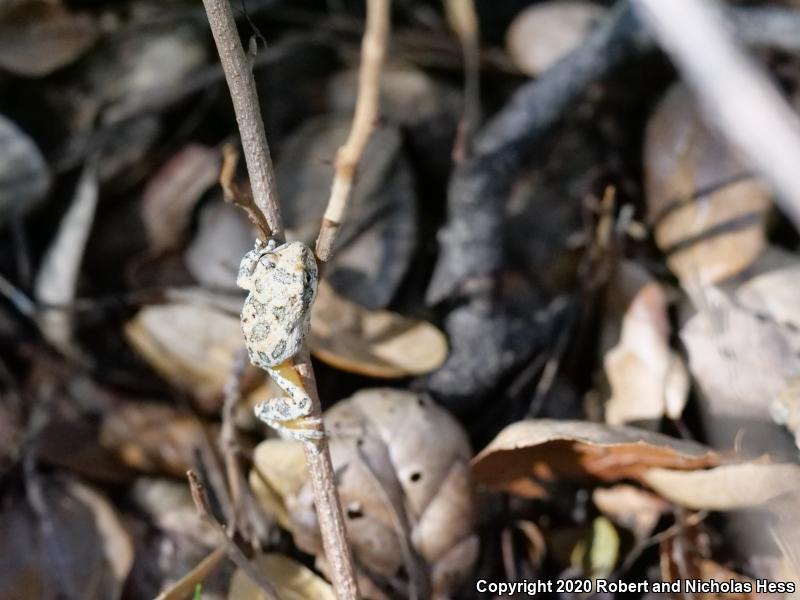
{"x":38,"y":37}
{"x":648,"y":380}
{"x":291,"y":580}
{"x":399,"y":499}
{"x":83,"y":552}
{"x":152,"y":437}
{"x":378,"y":237}
{"x":631,"y":507}
{"x":190,"y":346}
{"x":24,"y":175}
{"x":709,"y":216}
{"x":527,"y":453}
{"x":727,"y":487}
{"x":544,"y":33}
{"x":224,"y":235}
{"x":57,"y":279}
{"x":373,"y":343}
{"x":741,"y":361}
{"x":279,"y":472}
{"x":173,"y":192}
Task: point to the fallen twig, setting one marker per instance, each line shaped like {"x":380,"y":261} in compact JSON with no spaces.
{"x":737,"y":95}
{"x":373,"y":49}
{"x":234,"y":552}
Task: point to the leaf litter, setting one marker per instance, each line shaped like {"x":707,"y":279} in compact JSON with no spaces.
{"x":558,"y":337}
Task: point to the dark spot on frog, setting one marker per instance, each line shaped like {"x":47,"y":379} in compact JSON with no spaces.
{"x":415,"y":476}
{"x":279,"y":348}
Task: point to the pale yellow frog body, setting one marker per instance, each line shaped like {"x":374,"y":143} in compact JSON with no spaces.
{"x":282,"y":281}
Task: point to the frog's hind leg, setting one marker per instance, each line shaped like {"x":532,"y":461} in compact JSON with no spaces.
{"x":291,"y":414}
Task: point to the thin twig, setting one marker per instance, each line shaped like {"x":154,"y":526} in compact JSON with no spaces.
{"x":373,"y":49}
{"x":237,"y":196}
{"x":228,"y":441}
{"x":234,"y":552}
{"x":242,"y":85}
{"x":326,"y":497}
{"x":464,"y":21}
{"x":738,"y":97}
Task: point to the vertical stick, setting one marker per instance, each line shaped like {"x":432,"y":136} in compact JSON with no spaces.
{"x":242,"y":86}
{"x":373,"y":50}
{"x":259,"y":166}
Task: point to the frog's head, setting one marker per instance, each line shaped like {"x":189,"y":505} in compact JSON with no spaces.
{"x":247,"y":268}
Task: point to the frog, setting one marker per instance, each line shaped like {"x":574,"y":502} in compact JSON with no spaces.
{"x":281,"y":280}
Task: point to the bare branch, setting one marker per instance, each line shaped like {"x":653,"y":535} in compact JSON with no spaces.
{"x":373,"y":49}
{"x":248,"y":115}
{"x":259,"y":165}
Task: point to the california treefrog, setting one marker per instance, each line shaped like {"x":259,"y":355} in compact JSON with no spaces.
{"x":282,"y":281}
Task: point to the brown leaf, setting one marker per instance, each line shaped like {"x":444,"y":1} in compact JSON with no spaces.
{"x":648,"y":380}
{"x":82,"y":551}
{"x":394,"y":496}
{"x":152,"y":437}
{"x":374,"y":343}
{"x":741,"y":361}
{"x":708,"y":214}
{"x":727,"y":487}
{"x":542,"y":34}
{"x":190,"y":346}
{"x":279,"y":472}
{"x":38,"y":37}
{"x":173,"y":192}
{"x":631,"y":507}
{"x":526,"y":453}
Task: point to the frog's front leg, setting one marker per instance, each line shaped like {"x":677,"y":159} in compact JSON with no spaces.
{"x":290,"y":414}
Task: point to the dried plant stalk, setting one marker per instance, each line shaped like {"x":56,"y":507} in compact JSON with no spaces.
{"x":259,"y":166}
{"x":373,"y":50}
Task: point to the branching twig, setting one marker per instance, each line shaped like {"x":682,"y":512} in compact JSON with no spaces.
{"x":373,"y":49}
{"x":737,"y":95}
{"x":237,"y":196}
{"x":245,"y":104}
{"x":234,"y":552}
{"x":259,"y":166}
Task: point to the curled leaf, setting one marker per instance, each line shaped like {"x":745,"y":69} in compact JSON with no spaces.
{"x":399,"y":503}
{"x":528,"y":453}
{"x":726,"y":487}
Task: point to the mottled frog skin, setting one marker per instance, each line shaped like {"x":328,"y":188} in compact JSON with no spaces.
{"x":282,"y":281}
